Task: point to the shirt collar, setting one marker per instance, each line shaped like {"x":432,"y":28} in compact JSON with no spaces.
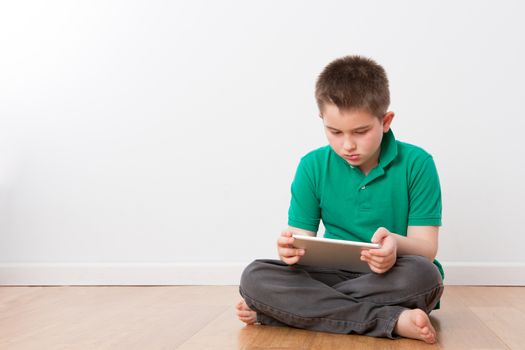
{"x":388,"y":149}
{"x":387,"y":155}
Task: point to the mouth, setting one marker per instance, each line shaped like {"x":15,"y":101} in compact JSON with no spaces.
{"x":351,"y":157}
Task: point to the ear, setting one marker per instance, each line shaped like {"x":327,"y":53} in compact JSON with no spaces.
{"x":387,"y":120}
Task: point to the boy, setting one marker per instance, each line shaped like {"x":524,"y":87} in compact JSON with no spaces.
{"x":365,"y":186}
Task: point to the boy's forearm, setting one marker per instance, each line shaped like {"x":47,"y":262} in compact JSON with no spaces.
{"x":424,"y":243}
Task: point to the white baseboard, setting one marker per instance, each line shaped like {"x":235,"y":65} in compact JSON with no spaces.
{"x":120,"y":273}
{"x":456,"y":273}
{"x":484,"y":273}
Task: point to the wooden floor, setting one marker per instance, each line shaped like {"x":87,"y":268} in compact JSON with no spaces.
{"x":203,"y":317}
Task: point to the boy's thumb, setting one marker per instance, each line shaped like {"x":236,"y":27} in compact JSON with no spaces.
{"x":379,"y":235}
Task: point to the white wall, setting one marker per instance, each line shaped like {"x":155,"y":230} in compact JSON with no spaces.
{"x":166,"y":134}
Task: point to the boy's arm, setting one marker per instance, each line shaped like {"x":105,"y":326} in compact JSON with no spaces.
{"x":420,"y":240}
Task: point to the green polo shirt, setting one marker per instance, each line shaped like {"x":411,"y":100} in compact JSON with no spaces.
{"x":402,"y":190}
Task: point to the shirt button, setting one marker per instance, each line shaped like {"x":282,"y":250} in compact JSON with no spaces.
{"x":363,"y":188}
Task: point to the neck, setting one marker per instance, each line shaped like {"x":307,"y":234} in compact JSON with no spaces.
{"x":371,"y":164}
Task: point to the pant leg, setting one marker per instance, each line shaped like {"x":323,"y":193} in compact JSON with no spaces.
{"x":413,"y":282}
{"x":291,"y":296}
{"x":327,"y":276}
{"x":332,"y":300}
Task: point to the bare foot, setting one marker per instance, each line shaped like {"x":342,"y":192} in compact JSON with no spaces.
{"x":244,"y":313}
{"x":415,"y":324}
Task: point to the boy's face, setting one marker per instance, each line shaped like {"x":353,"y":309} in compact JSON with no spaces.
{"x":355,"y":135}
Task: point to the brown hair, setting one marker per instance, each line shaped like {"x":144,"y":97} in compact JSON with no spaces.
{"x":354,"y":82}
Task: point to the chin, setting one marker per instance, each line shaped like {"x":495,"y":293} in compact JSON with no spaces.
{"x":356,"y":164}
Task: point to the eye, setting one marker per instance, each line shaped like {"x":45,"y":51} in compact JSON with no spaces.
{"x":335,"y":132}
{"x":361,"y":132}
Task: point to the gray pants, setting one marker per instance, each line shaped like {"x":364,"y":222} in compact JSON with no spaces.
{"x":339,"y":301}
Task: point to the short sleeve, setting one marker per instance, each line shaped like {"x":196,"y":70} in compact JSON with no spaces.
{"x":425,"y":195}
{"x":304,"y":211}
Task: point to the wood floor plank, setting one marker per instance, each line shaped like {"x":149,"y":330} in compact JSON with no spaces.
{"x":494,"y":296}
{"x":514,"y":296}
{"x":459,"y":328}
{"x":220,"y":333}
{"x":106,"y":318}
{"x":203,"y":317}
{"x":227,"y":332}
{"x":501,"y":308}
{"x":269,"y":337}
{"x":327,"y":341}
{"x":490,"y":296}
{"x":507,"y":322}
{"x":10,"y":294}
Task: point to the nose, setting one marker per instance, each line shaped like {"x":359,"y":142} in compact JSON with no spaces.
{"x":348,"y":144}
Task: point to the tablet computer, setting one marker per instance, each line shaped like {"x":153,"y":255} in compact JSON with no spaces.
{"x":334,"y":253}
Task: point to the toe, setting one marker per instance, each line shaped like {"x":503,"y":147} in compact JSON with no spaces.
{"x":430,"y":337}
{"x":245,"y":313}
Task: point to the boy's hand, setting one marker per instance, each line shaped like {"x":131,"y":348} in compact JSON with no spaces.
{"x":381,"y":259}
{"x":287,"y":253}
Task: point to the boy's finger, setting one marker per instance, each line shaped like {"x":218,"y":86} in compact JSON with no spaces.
{"x":379,"y":269}
{"x":283,"y":241}
{"x":375,"y":264}
{"x":289,"y":252}
{"x":374,"y":269}
{"x":286,"y":234}
{"x":286,"y":242}
{"x":379,"y":252}
{"x":378,"y":259}
{"x":291,"y":261}
{"x":372,"y":263}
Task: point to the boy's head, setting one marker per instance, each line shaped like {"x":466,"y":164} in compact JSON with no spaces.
{"x":353,"y":83}
{"x":353,"y":97}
